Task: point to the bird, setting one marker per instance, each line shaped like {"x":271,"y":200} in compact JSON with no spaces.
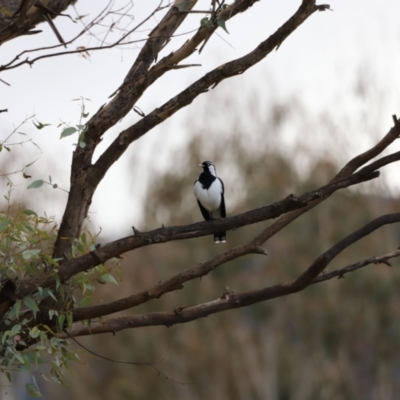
{"x":209,"y":192}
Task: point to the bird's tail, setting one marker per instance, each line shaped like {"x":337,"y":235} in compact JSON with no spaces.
{"x":220,"y":237}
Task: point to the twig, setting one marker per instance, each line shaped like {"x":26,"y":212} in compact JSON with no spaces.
{"x":354,"y":267}
{"x":135,"y":363}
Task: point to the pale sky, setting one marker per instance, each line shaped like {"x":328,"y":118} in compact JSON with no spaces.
{"x":318,"y":63}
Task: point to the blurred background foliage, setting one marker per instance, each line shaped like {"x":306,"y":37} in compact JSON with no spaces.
{"x":335,"y":340}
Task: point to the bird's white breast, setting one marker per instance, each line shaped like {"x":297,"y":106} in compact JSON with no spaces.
{"x":209,"y":198}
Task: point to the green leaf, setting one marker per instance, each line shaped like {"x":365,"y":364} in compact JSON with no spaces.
{"x":221,"y":23}
{"x":50,"y":293}
{"x":27,"y":254}
{"x":33,"y":391}
{"x":39,"y":125}
{"x":30,"y":212}
{"x":4,"y":223}
{"x":60,"y":322}
{"x":69,"y":320}
{"x":20,"y":358}
{"x":108,"y":279}
{"x":14,"y":313}
{"x":52,"y":313}
{"x":15,"y":329}
{"x":30,"y":303}
{"x":37,"y":184}
{"x":31,"y":163}
{"x":34,"y":332}
{"x":68,"y":131}
{"x":5,"y":336}
{"x":82,"y":145}
{"x":205,"y":22}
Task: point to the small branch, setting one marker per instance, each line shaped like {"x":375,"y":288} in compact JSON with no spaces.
{"x":197,"y":12}
{"x":180,"y":66}
{"x":363,"y":158}
{"x":6,"y":83}
{"x":354,"y":267}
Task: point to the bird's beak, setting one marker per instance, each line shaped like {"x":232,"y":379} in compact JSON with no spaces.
{"x":200,"y":165}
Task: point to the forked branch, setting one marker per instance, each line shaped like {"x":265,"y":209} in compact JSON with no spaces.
{"x":233,"y":300}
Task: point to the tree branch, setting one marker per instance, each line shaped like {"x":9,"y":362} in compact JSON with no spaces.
{"x":232,"y":300}
{"x":174,"y":283}
{"x":355,"y":163}
{"x":83,"y":185}
{"x":363,"y":158}
{"x":340,"y":273}
{"x":97,"y":20}
{"x":211,"y":79}
{"x":167,"y":234}
{"x":18,"y":18}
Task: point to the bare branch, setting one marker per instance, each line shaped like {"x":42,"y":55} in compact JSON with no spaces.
{"x":363,"y":158}
{"x":84,"y":177}
{"x":384,"y":259}
{"x":87,"y":29}
{"x":355,"y":163}
{"x":211,"y":79}
{"x":25,"y":16}
{"x":232,"y":300}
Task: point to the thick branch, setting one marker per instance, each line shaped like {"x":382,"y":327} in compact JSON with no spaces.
{"x":236,"y":67}
{"x":167,"y":234}
{"x":230,"y":301}
{"x":83,"y":178}
{"x":17,"y":18}
{"x":174,"y":283}
{"x":356,"y":162}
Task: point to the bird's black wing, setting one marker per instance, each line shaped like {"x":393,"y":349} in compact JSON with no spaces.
{"x":222,"y":206}
{"x":205,"y":213}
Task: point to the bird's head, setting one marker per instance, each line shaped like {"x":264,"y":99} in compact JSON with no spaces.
{"x":208,"y":166}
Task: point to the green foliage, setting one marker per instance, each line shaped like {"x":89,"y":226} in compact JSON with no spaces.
{"x":39,"y":125}
{"x":8,"y":143}
{"x":26,"y":247}
{"x":36,"y":184}
{"x":221,"y":24}
{"x":81,"y":128}
{"x":40,"y":182}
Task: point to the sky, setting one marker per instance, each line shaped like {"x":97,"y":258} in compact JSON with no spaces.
{"x":318,"y":64}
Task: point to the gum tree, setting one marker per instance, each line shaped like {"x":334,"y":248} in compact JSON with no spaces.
{"x":43,"y":269}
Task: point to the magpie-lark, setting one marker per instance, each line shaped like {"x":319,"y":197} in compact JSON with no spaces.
{"x":209,"y":192}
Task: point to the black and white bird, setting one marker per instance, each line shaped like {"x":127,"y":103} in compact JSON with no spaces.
{"x":209,"y":192}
